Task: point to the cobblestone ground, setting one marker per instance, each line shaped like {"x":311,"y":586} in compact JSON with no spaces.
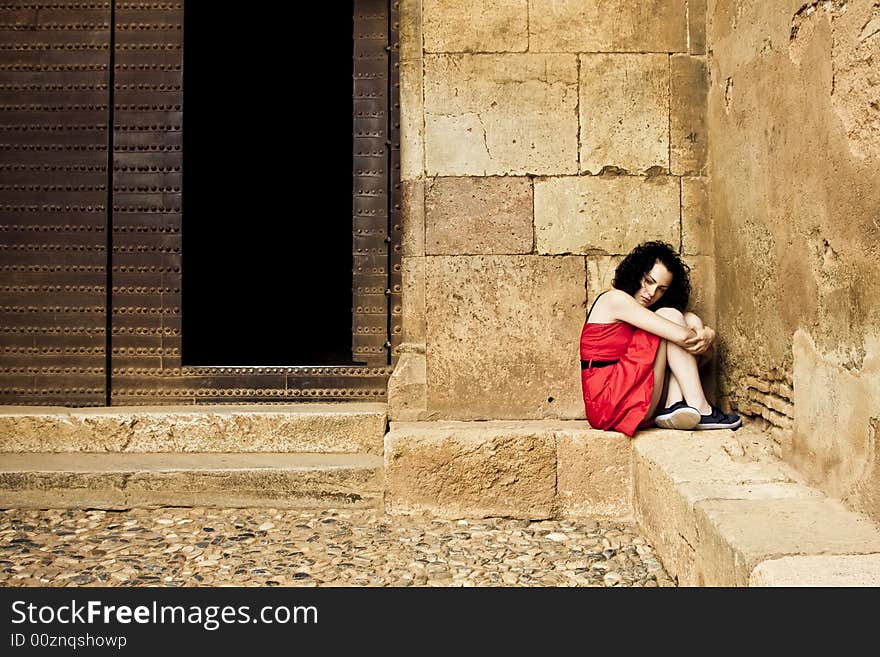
{"x":266,"y":547}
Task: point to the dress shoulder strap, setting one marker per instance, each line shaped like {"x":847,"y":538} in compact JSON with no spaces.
{"x":594,"y":305}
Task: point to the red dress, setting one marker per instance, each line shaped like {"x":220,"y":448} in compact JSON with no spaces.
{"x":617,"y":397}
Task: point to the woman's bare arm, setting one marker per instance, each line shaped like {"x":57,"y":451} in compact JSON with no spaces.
{"x":625,"y":309}
{"x":704,"y":342}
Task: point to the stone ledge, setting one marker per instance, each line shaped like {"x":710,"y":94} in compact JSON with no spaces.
{"x":835,"y":570}
{"x":713,"y":515}
{"x":121,"y":481}
{"x":522,"y":469}
{"x":306,"y":427}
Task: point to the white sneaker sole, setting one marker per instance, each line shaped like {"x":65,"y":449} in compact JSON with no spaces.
{"x":706,"y":427}
{"x":682,"y":419}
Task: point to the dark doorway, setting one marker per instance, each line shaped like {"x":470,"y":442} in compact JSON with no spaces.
{"x":267,"y":180}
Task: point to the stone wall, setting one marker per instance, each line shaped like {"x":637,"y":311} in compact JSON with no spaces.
{"x":794,"y":118}
{"x":541,"y":141}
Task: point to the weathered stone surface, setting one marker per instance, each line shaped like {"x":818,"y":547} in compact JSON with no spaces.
{"x":603,"y":25}
{"x":456,"y":469}
{"x":814,"y":571}
{"x":673,"y":470}
{"x":696,"y":13}
{"x":410,"y":30}
{"x":689,"y":133}
{"x":316,"y":427}
{"x":478,"y":216}
{"x":605,"y":214}
{"x":229,"y":480}
{"x":407,"y":389}
{"x":734,"y":536}
{"x":600,"y":275}
{"x":835,"y":436}
{"x":624,"y":112}
{"x":476,"y":25}
{"x":413,"y":209}
{"x":794,"y":191}
{"x":696,"y":220}
{"x":415,"y":328}
{"x":500,"y":114}
{"x":702,"y":300}
{"x":593,"y":473}
{"x":502,"y":336}
{"x":412,"y":121}
{"x":856,"y":94}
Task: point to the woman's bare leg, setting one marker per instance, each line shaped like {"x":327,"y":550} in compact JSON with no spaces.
{"x":684,"y":368}
{"x":661,"y":372}
{"x":673,"y":391}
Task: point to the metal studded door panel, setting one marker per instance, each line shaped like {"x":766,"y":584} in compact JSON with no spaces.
{"x":395,"y":277}
{"x":147,"y":188}
{"x":370,"y":183}
{"x":66,"y":97}
{"x":54,"y":103}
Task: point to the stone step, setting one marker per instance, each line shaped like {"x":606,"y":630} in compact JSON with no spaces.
{"x":532,"y":469}
{"x":119,"y":481}
{"x":719,"y":518}
{"x":282,"y":428}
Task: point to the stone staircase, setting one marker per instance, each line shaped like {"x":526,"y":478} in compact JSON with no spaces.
{"x":308,"y":455}
{"x":717,"y":512}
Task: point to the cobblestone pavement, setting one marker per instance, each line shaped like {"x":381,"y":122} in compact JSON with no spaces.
{"x":267,"y":547}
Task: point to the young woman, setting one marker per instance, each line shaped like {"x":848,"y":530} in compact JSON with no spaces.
{"x":639,"y":347}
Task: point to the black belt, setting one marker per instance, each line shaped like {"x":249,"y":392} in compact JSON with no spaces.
{"x":586,"y":364}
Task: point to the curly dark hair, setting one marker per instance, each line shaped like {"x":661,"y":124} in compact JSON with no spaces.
{"x":629,"y":273}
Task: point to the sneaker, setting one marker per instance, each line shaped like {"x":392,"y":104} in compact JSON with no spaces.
{"x":678,"y":416}
{"x":718,"y":420}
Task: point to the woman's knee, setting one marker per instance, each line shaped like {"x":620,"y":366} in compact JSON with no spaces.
{"x":672,"y":314}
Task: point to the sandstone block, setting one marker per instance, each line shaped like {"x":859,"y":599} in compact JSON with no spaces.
{"x":703,"y":289}
{"x":413,"y":299}
{"x":412,"y":120}
{"x":672,"y":471}
{"x":696,"y":13}
{"x":413,"y":209}
{"x":503,"y":336}
{"x":819,"y":570}
{"x":736,"y":535}
{"x":410,"y":30}
{"x":688,"y":127}
{"x":455,"y":470}
{"x":624,"y":112}
{"x":696,"y":220}
{"x":476,"y":25}
{"x":600,"y":275}
{"x":834,"y":444}
{"x":230,"y":480}
{"x":204,"y":428}
{"x":605,"y":215}
{"x":594,"y":473}
{"x":478,"y":216}
{"x":603,"y":25}
{"x":500,"y":114}
{"x":407,"y":389}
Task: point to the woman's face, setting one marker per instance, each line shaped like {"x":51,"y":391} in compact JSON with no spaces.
{"x":654,"y":285}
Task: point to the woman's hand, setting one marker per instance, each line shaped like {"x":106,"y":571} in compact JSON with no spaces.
{"x":702,"y":342}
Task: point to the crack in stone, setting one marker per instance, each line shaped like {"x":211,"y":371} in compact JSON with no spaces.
{"x":485,"y":136}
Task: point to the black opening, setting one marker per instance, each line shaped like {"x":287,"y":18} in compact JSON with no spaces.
{"x":267,"y":186}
